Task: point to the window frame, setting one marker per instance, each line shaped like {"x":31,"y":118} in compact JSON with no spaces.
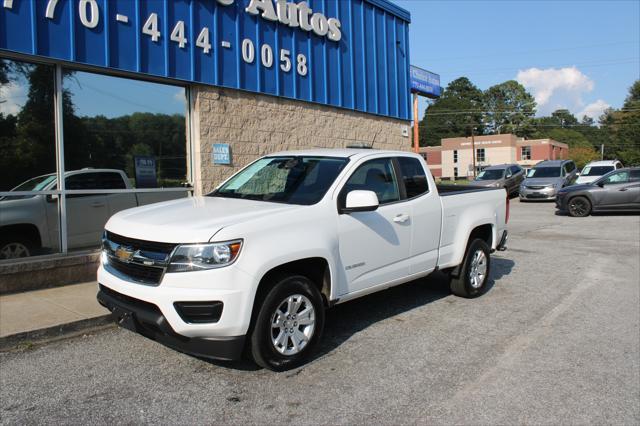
{"x":400,"y":179}
{"x":522,"y":152}
{"x":484,"y":155}
{"x":62,"y":174}
{"x":342,"y":196}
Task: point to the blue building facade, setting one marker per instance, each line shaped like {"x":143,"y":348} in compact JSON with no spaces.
{"x":351,"y":54}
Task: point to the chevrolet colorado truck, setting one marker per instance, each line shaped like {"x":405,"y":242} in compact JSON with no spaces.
{"x":251,"y":267}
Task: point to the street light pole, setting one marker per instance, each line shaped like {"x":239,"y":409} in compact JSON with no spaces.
{"x":473,"y":151}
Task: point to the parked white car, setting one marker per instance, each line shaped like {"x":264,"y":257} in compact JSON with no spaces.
{"x":595,"y":169}
{"x":29,"y":223}
{"x":255,"y":263}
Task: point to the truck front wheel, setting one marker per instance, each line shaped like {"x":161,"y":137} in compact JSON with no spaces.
{"x":474,"y":275}
{"x":15,"y":246}
{"x":289,"y":323}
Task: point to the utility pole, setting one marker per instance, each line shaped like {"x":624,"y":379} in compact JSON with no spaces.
{"x":602,"y":152}
{"x":416,"y":133}
{"x":473,"y":151}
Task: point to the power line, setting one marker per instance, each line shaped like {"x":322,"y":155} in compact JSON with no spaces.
{"x":526,"y":52}
{"x":581,"y":65}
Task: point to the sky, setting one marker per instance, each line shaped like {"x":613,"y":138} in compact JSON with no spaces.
{"x":582,"y":55}
{"x":579,"y":55}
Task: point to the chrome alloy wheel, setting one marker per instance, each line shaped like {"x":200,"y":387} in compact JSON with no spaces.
{"x":14,"y":251}
{"x":292,"y":325}
{"x":478,"y":269}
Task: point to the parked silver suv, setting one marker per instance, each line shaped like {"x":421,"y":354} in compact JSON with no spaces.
{"x":546,"y":178}
{"x":507,"y":176}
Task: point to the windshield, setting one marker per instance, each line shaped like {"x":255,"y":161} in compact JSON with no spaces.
{"x":544,"y":172}
{"x":596,"y":170}
{"x":35,"y":184}
{"x":291,"y":179}
{"x":493,"y":174}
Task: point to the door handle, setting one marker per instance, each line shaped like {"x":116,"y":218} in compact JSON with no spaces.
{"x":401,"y":218}
{"x":97,"y":204}
{"x":622,"y":189}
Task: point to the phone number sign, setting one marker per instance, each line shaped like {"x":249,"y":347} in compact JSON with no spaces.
{"x":347,"y":53}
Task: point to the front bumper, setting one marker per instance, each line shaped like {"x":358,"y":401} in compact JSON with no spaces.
{"x":561,"y":201}
{"x":543,"y":194}
{"x":147,"y":319}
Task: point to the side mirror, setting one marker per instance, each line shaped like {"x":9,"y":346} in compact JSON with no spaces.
{"x":600,"y":184}
{"x":52,"y":198}
{"x":509,"y":175}
{"x":361,"y":201}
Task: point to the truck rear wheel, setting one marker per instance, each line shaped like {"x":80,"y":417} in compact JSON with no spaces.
{"x":288,"y":325}
{"x":474,"y":275}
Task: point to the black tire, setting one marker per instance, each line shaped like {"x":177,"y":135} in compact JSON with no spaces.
{"x":21,"y":246}
{"x":579,"y":206}
{"x":264,"y":350}
{"x":462,"y":285}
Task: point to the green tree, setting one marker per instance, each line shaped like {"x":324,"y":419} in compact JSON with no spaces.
{"x":623,"y":129}
{"x":509,"y":109}
{"x":582,"y":155}
{"x":454,"y":114}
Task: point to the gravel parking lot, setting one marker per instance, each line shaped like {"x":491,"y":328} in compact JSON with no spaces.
{"x":556,"y":340}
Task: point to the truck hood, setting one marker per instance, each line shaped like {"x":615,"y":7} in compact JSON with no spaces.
{"x":189,"y":220}
{"x":543,"y":181}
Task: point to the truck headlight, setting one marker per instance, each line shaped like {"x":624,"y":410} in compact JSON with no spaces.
{"x":200,"y":257}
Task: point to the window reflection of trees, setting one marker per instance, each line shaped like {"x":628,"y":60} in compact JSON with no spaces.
{"x":27,"y":138}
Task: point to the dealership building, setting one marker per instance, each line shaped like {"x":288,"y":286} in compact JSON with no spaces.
{"x":453,"y":159}
{"x":175,"y":96}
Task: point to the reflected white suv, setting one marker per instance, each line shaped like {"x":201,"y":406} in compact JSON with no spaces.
{"x":595,"y":169}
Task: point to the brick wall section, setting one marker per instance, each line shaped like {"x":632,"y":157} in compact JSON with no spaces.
{"x":255,"y":125}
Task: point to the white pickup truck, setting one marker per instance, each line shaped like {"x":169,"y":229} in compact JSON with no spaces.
{"x":29,"y":223}
{"x":253,"y":265}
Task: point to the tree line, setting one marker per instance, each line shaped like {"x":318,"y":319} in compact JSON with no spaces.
{"x":507,"y":107}
{"x":27,"y":138}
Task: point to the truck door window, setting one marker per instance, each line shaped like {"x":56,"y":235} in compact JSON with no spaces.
{"x":413,"y":176}
{"x":377,"y":176}
{"x":80,"y":182}
{"x":110,"y":180}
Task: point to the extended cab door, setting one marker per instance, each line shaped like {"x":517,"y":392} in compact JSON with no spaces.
{"x":426,"y":215}
{"x":375,"y":246}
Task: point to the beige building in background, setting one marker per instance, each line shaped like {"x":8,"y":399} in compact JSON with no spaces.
{"x":454,"y":158}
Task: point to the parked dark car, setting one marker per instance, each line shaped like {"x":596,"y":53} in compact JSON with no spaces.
{"x":616,"y":191}
{"x":507,"y":176}
{"x":546,"y":178}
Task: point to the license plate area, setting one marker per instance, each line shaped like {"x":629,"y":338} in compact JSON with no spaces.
{"x":124,"y":318}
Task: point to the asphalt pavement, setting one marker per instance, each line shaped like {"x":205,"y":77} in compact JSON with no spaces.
{"x":556,"y":340}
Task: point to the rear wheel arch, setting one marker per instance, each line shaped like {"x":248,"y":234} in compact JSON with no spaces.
{"x":481,"y":232}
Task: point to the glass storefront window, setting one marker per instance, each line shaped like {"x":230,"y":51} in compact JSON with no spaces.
{"x":119,"y":134}
{"x":29,"y":214}
{"x":124,"y":142}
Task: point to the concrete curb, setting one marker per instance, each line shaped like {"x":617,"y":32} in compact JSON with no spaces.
{"x":54,"y":333}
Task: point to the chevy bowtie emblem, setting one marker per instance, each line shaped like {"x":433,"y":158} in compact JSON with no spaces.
{"x":124,"y":254}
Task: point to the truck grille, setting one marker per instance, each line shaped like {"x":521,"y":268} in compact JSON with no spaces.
{"x":146,"y":261}
{"x":536,"y":186}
